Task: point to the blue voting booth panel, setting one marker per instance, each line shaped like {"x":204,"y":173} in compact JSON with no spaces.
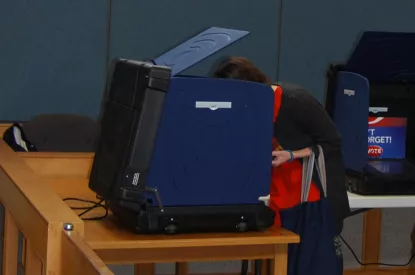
{"x":214,"y":143}
{"x":351,"y":101}
{"x":198,"y":48}
{"x":384,"y":57}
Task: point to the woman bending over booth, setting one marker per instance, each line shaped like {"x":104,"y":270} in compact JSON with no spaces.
{"x":300,"y":125}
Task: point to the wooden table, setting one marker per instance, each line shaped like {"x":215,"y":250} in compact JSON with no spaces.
{"x":68,"y":173}
{"x":119,"y":246}
{"x":67,"y":245}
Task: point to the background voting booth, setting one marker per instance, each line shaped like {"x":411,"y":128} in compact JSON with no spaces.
{"x":371,"y":100}
{"x":374,"y":93}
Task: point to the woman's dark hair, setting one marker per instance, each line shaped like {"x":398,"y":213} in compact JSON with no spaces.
{"x":240,"y":68}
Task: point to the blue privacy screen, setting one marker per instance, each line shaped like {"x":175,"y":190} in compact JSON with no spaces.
{"x":351,"y":101}
{"x":214,"y":143}
{"x":198,"y":48}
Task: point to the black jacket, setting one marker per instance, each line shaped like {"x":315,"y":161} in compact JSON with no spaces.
{"x":303,"y":122}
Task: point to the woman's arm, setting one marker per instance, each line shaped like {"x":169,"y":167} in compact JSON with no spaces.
{"x":282,"y":156}
{"x":315,"y":121}
{"x":302,"y":153}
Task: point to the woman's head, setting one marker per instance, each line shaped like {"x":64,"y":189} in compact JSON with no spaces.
{"x":240,"y":68}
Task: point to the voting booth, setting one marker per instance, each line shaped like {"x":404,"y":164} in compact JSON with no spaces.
{"x":371,"y":99}
{"x":185,"y":153}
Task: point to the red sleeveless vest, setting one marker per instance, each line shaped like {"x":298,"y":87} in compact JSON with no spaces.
{"x":286,"y":179}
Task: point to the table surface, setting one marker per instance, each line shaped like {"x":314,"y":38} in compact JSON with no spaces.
{"x":357,"y":201}
{"x":107,"y":233}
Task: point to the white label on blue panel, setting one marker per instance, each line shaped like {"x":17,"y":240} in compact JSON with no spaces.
{"x":213,"y":105}
{"x":378,"y":109}
{"x":349,"y":92}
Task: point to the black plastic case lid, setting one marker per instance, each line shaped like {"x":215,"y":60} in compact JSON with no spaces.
{"x":384,"y":57}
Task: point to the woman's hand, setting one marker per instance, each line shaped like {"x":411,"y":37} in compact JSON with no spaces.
{"x":280,"y":157}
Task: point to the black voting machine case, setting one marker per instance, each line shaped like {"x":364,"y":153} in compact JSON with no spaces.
{"x":378,"y":81}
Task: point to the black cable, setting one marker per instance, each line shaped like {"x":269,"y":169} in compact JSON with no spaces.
{"x":99,"y":204}
{"x":380,"y":263}
{"x":359,"y":211}
{"x":244,"y":270}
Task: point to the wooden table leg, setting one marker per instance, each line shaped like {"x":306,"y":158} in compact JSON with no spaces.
{"x":182,"y":268}
{"x":280,"y":261}
{"x":144,"y":269}
{"x":372,"y":228}
{"x":11,"y":240}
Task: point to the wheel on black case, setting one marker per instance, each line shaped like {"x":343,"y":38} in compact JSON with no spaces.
{"x":171,"y":229}
{"x":242,"y":227}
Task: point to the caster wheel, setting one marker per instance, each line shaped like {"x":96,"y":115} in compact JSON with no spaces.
{"x":242,"y":227}
{"x":171,"y":229}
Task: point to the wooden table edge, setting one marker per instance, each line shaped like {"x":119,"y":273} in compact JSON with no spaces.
{"x":193,"y":243}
